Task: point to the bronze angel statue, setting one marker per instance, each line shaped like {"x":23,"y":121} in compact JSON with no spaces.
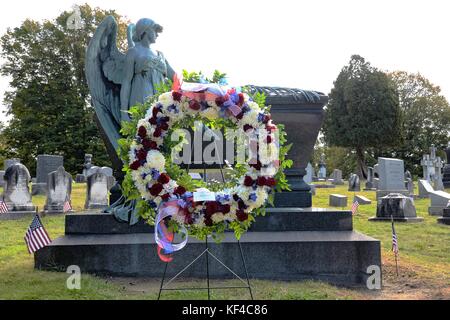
{"x":118,"y":81}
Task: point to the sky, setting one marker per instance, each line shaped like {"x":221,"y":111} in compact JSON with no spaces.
{"x":300,"y":44}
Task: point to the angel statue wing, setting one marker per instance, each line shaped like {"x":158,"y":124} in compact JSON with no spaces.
{"x":104,"y":73}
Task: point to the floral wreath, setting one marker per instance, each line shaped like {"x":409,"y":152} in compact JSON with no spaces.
{"x":167,"y":193}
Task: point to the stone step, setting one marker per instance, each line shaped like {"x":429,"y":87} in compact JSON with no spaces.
{"x":276,"y":219}
{"x":337,"y":257}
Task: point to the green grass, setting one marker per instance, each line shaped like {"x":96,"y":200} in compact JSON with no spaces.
{"x":425,"y":247}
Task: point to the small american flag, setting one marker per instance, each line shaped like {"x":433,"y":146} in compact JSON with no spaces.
{"x":67,"y":207}
{"x":36,"y":237}
{"x":355,"y":206}
{"x":3,"y":207}
{"x":394,"y":240}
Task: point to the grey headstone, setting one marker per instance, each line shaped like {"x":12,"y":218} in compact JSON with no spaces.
{"x":17,"y":194}
{"x":47,"y":164}
{"x":308,"y":178}
{"x":336,"y":177}
{"x":354,"y":183}
{"x":409,"y":183}
{"x":59,"y":189}
{"x":362,"y":200}
{"x":397,"y":206}
{"x":391,"y":173}
{"x":438,"y":202}
{"x":370,"y":177}
{"x":338,"y":200}
{"x":425,"y":189}
{"x":2,"y":179}
{"x":97,"y":192}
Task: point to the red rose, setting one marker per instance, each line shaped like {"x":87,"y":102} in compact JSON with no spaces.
{"x":156,"y":189}
{"x":194,"y":105}
{"x":153,"y":121}
{"x":188,"y":219}
{"x":262,"y":181}
{"x":164,"y":178}
{"x":142,"y":132}
{"x":241,"y":99}
{"x":240,"y":116}
{"x":148,"y":144}
{"x":165,"y":126}
{"x":155,"y":112}
{"x":257,"y":166}
{"x":226,"y":208}
{"x":221,"y":100}
{"x":267,"y":118}
{"x":248,"y":181}
{"x":180,"y":190}
{"x":247,"y":127}
{"x":177,"y":96}
{"x":208,"y":222}
{"x":241,"y":215}
{"x":165,"y":197}
{"x":271,"y":182}
{"x":211,"y":207}
{"x":269,"y":139}
{"x":142,"y":155}
{"x":135,"y":165}
{"x":157,"y":133}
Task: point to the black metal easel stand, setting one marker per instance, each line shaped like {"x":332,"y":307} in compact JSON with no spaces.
{"x":207,"y":253}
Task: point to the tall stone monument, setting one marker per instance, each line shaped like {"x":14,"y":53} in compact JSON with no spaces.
{"x":59,"y":189}
{"x":16,"y":194}
{"x":446,"y":174}
{"x":370,"y":179}
{"x":391,"y":173}
{"x":322,"y":174}
{"x":45,"y":165}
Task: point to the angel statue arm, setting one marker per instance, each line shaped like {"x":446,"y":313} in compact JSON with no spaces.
{"x":126,"y":86}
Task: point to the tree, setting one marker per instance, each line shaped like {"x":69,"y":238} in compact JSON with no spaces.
{"x":425,"y":119}
{"x":49,"y":103}
{"x":363,"y":111}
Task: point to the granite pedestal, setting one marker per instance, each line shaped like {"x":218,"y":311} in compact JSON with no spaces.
{"x":445,"y":219}
{"x":286,"y":244}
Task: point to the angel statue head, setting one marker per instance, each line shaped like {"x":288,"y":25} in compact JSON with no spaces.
{"x":146,"y":27}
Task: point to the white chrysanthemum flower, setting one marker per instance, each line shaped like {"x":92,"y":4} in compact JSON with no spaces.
{"x":155,"y":160}
{"x":218,"y":217}
{"x":230,"y":217}
{"x":243,"y":192}
{"x":200,"y":221}
{"x":212,"y":104}
{"x":211,"y":113}
{"x":166,"y":99}
{"x":254,"y":106}
{"x":250,"y":118}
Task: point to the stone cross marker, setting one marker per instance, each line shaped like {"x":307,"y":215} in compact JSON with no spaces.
{"x":45,"y":165}
{"x":97,"y":192}
{"x":59,"y":189}
{"x":17,"y":194}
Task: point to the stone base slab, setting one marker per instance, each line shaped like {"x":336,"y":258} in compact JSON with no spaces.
{"x":444,"y":220}
{"x":396,"y":219}
{"x":384,"y":193}
{"x":436,"y":211}
{"x":17,"y":215}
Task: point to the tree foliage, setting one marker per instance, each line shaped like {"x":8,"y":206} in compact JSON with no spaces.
{"x":49,"y":102}
{"x":363,"y":110}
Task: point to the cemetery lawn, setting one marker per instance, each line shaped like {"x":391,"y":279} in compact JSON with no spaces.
{"x":424,"y":264}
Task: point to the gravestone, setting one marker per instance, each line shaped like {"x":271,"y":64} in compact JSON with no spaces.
{"x":16,"y":194}
{"x":362,"y":200}
{"x":2,"y":179}
{"x":97,"y":192}
{"x":309,"y":174}
{"x":9,"y":162}
{"x":446,"y":171}
{"x":45,"y":165}
{"x":391,"y":173}
{"x":398,"y":206}
{"x":425,"y":188}
{"x":322,"y":168}
{"x":354,"y":183}
{"x":59,"y":189}
{"x":370,"y":182}
{"x":337,"y":200}
{"x":81,"y":178}
{"x":409,"y":183}
{"x":445,"y":219}
{"x":438,"y":201}
{"x":336,"y":177}
{"x":432,"y":168}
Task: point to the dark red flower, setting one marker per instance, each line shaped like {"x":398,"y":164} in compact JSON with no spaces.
{"x":208,"y":222}
{"x":177,"y":96}
{"x":153,"y":121}
{"x":157,"y":133}
{"x":188,"y":219}
{"x":165,"y":197}
{"x":241,"y":215}
{"x":142,"y":155}
{"x":142,"y":132}
{"x":194,"y":105}
{"x":248,"y":181}
{"x":221,"y":100}
{"x":241,"y":99}
{"x":240,"y":116}
{"x":247,"y":127}
{"x":148,"y":144}
{"x":257,"y":166}
{"x":135,"y":165}
{"x":156,"y":189}
{"x":212,"y":207}
{"x":271,"y":182}
{"x":267,"y":118}
{"x":180,"y":190}
{"x":269,"y":139}
{"x":155,"y":112}
{"x":262,"y":181}
{"x":236,"y":197}
{"x":164,"y":178}
{"x":164,"y":126}
{"x":241,"y":205}
{"x":226,"y":208}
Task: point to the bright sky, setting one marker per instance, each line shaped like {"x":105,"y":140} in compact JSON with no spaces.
{"x":302,"y":44}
